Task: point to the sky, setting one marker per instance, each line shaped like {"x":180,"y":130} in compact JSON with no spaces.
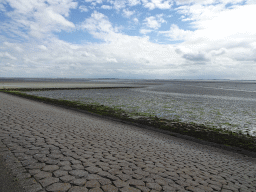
{"x":130,"y":39}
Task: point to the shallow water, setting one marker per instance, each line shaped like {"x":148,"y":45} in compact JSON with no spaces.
{"x":223,"y":104}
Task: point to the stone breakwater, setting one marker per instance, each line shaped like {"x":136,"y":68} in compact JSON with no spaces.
{"x":54,"y":149}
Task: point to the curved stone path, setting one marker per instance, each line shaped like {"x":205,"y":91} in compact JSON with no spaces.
{"x":54,"y":149}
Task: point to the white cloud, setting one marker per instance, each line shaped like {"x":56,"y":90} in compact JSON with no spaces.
{"x":119,"y":4}
{"x":128,"y":13}
{"x":250,"y":2}
{"x":13,"y":47}
{"x":42,"y":47}
{"x":7,"y":55}
{"x":106,"y":7}
{"x":227,"y":26}
{"x":154,"y":22}
{"x":176,"y":33}
{"x":160,"y":4}
{"x":98,"y":25}
{"x":2,"y":8}
{"x":207,"y":2}
{"x":136,"y":20}
{"x":134,"y":2}
{"x":94,"y":2}
{"x":40,"y":18}
{"x":145,"y":31}
{"x":83,"y":8}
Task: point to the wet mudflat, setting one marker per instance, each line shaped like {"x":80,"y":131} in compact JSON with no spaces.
{"x":224,"y":105}
{"x":55,"y":149}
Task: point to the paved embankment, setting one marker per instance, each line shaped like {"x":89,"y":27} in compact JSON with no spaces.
{"x":54,"y":149}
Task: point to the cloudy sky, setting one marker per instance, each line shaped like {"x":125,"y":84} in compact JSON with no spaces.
{"x":163,"y":39}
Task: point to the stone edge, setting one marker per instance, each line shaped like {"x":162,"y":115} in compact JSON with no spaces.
{"x":18,"y":171}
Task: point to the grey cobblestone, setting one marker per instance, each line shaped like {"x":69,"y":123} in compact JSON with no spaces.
{"x":79,"y":182}
{"x":50,"y":168}
{"x":50,"y":145}
{"x":67,"y":178}
{"x":78,"y":189}
{"x":58,"y":187}
{"x":48,"y":181}
{"x":42,"y":175}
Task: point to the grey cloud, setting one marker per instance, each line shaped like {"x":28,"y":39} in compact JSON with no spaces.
{"x":219,"y":52}
{"x":178,"y":51}
{"x":195,"y":57}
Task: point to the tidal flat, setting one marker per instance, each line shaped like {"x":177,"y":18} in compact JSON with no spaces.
{"x":228,"y":105}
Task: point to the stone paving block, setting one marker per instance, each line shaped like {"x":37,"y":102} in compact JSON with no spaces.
{"x":143,"y":173}
{"x":194,"y":189}
{"x":32,"y":188}
{"x":104,"y":181}
{"x":148,"y":180}
{"x":79,"y":173}
{"x":34,"y":171}
{"x":161,"y":181}
{"x":50,"y":168}
{"x":58,"y":187}
{"x":79,"y":182}
{"x":42,"y":175}
{"x":154,"y":186}
{"x":120,"y":183}
{"x":136,"y":182}
{"x":63,"y":163}
{"x":124,"y":177}
{"x":75,"y":162}
{"x":66,"y":168}
{"x":92,"y":184}
{"x":137,"y":176}
{"x":30,"y":181}
{"x":93,"y":169}
{"x":35,"y":166}
{"x":114,"y":172}
{"x":96,"y":190}
{"x":60,"y":173}
{"x":129,"y":189}
{"x":78,"y":189}
{"x":205,"y":188}
{"x":109,"y":188}
{"x":77,"y":166}
{"x":55,"y":156}
{"x":169,"y":189}
{"x":215,"y":187}
{"x":112,"y":177}
{"x":93,"y":177}
{"x":67,"y":178}
{"x":143,"y":188}
{"x":48,"y":181}
{"x":104,"y":168}
{"x":23,"y":175}
{"x":226,"y":190}
{"x":52,"y":162}
{"x":230,"y":187}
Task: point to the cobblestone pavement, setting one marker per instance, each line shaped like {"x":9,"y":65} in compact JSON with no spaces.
{"x":54,"y":149}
